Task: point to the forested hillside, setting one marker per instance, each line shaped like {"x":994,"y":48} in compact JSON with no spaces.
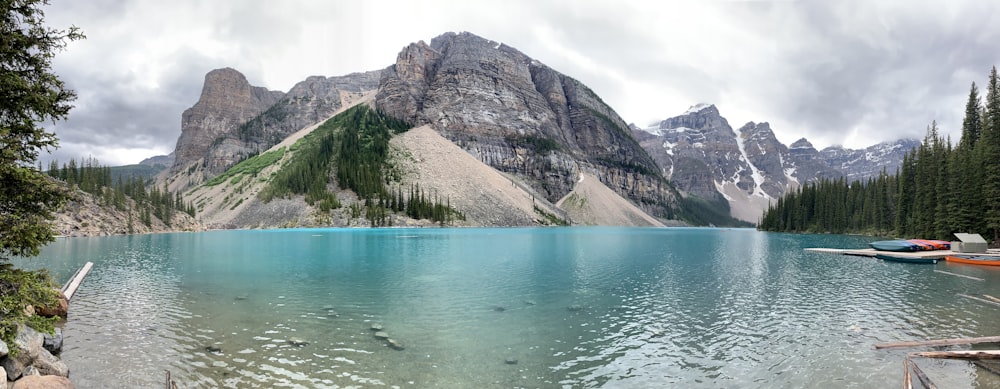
{"x":941,"y":187}
{"x":123,"y":194}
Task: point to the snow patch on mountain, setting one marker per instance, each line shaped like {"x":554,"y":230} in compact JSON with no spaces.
{"x":697,"y":108}
{"x":758,"y":179}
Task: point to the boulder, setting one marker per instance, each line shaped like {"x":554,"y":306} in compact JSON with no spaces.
{"x":61,"y":309}
{"x":48,"y":364}
{"x":29,"y":345}
{"x":43,"y":382}
{"x":53,"y":343}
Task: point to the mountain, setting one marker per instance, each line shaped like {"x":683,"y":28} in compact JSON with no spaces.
{"x":496,"y":136}
{"x":521,"y":117}
{"x":234,"y":120}
{"x":703,"y":156}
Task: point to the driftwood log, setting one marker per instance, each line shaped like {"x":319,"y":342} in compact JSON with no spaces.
{"x":939,"y":342}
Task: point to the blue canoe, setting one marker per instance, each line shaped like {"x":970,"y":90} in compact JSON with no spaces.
{"x":909,"y":245}
{"x":898,"y":258}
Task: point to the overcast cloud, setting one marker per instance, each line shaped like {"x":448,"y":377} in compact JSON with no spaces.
{"x":836,"y":72}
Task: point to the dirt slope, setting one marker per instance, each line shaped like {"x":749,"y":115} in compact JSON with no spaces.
{"x":593,"y":203}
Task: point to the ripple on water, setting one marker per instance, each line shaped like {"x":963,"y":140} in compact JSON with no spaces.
{"x":573,"y":307}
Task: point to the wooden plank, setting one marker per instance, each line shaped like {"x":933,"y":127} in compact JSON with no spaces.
{"x":926,"y":382}
{"x":77,"y":279}
{"x":907,"y":381}
{"x":980,"y":300}
{"x":940,"y":342}
{"x":959,"y":275}
{"x":961,"y":354}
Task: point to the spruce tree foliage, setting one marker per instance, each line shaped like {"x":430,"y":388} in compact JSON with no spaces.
{"x":939,"y":189}
{"x":89,"y":176}
{"x":353,"y":149}
{"x":30,"y":94}
{"x":990,"y":158}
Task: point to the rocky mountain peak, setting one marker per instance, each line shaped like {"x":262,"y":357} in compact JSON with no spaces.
{"x":700,"y":116}
{"x":227,"y":100}
{"x":517,"y":115}
{"x":802,"y":143}
{"x":749,"y":168}
{"x":702,"y":109}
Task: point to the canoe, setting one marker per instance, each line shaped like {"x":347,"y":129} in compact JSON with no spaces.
{"x":899,"y":258}
{"x":930,"y":244}
{"x":909,"y":245}
{"x":986,"y":260}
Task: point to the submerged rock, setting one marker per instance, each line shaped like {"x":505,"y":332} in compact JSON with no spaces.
{"x":530,"y":302}
{"x":510,"y":361}
{"x":297,"y":342}
{"x":394,"y":344}
{"x":376,"y":327}
{"x":499,"y":308}
{"x":213,"y":349}
{"x":575,"y":308}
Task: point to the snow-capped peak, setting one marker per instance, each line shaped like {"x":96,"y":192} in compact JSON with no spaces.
{"x":697,"y":108}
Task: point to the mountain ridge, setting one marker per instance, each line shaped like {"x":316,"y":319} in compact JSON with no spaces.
{"x":748,"y":167}
{"x":514,"y":117}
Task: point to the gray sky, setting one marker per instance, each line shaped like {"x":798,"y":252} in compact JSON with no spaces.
{"x":836,"y":72}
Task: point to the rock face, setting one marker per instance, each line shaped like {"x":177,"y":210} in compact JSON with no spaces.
{"x":227,"y":100}
{"x":870,"y":161}
{"x":702,"y":155}
{"x":521,"y":117}
{"x":233,"y":119}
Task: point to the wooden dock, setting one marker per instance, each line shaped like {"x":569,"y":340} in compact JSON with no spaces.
{"x":935,"y":254}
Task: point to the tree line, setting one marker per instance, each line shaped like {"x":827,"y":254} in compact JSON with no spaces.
{"x":124,"y":194}
{"x":353,"y":147}
{"x":941,"y":188}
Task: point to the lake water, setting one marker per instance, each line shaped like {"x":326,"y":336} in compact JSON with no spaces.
{"x":575,"y":307}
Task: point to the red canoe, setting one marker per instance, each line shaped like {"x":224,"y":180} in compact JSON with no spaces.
{"x":986,"y":260}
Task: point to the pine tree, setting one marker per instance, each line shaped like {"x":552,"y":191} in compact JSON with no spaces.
{"x":30,"y":95}
{"x":991,"y":158}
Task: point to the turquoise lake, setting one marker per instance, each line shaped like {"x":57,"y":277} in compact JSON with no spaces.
{"x":573,"y":307}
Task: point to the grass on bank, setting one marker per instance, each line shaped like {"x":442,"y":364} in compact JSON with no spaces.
{"x":18,"y":289}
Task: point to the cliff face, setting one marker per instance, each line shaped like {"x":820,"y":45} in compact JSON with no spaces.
{"x":701,"y":154}
{"x":233,"y":120}
{"x":520,"y":116}
{"x":227,"y":100}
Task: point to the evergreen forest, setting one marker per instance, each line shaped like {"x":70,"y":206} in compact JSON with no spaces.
{"x":353,"y":148}
{"x":940,"y":189}
{"x":128,"y":194}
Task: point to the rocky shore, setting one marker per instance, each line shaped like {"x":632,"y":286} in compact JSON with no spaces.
{"x":34,"y":362}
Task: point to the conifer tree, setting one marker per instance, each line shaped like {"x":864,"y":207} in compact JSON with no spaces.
{"x":991,"y":158}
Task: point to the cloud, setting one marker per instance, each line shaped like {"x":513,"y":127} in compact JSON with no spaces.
{"x":848,"y":72}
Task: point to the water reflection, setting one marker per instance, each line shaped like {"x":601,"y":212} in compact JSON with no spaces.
{"x":578,"y":307}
